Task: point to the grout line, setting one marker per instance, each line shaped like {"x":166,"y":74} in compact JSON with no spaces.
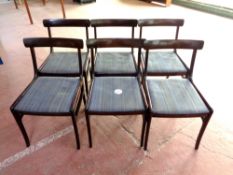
{"x":130,"y":133}
{"x":33,"y":148}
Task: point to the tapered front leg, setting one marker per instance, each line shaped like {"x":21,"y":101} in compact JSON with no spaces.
{"x":76,"y":131}
{"x":18,"y":117}
{"x":205,"y":121}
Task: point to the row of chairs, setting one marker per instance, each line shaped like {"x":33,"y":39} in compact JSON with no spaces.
{"x":99,"y":25}
{"x":122,"y":83}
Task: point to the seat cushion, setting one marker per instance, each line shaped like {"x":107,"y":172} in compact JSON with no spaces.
{"x":174,"y":96}
{"x":113,"y":63}
{"x":62,"y":63}
{"x":49,"y":95}
{"x":115,"y":94}
{"x":164,"y":62}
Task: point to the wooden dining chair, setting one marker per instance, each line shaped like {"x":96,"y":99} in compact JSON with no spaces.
{"x":167,"y":62}
{"x":114,"y":28}
{"x":44,"y":2}
{"x":66,"y":63}
{"x":115,"y":94}
{"x":47,"y":95}
{"x":112,"y":63}
{"x":176,"y":97}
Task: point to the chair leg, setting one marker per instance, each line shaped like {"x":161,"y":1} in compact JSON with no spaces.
{"x":63,"y":8}
{"x":88,"y":130}
{"x":76,"y":131}
{"x":18,"y":118}
{"x":86,"y":82}
{"x":16,"y":5}
{"x":205,"y":121}
{"x":28,"y":11}
{"x":79,"y":102}
{"x":143,"y":129}
{"x":147,"y":131}
{"x":83,"y":95}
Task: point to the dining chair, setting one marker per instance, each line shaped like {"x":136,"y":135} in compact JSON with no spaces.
{"x":115,"y":94}
{"x":118,"y":28}
{"x":176,"y":97}
{"x":44,"y":2}
{"x":47,"y":95}
{"x":66,"y":63}
{"x":167,"y":62}
{"x":113,"y":63}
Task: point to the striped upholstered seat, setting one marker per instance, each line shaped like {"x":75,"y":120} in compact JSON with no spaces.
{"x":160,"y":63}
{"x":61,"y":63}
{"x":66,"y":64}
{"x":166,"y":62}
{"x":115,"y":63}
{"x":174,"y":96}
{"x":49,"y":95}
{"x":115,"y":95}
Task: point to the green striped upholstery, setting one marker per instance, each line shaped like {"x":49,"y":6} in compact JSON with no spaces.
{"x":164,"y":62}
{"x":62,"y":63}
{"x":115,"y":63}
{"x":49,"y":95}
{"x":104,"y":99}
{"x":174,"y":96}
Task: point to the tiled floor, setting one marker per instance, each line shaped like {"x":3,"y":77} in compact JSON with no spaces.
{"x":116,"y":139}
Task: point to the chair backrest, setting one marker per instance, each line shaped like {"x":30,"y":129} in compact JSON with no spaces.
{"x":119,"y":23}
{"x":129,"y":23}
{"x":77,"y":23}
{"x":93,"y":44}
{"x":193,"y":45}
{"x":32,"y":43}
{"x":160,"y":23}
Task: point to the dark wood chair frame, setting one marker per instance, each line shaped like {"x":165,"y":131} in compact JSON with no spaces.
{"x":160,"y":23}
{"x":113,"y":42}
{"x":119,"y":23}
{"x":77,"y":23}
{"x":94,"y":44}
{"x":177,"y":23}
{"x":77,"y":99}
{"x":175,"y":44}
{"x":97,"y":23}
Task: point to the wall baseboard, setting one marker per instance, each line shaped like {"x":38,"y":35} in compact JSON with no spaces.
{"x":209,"y":8}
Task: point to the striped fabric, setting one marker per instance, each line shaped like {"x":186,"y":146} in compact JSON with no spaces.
{"x":63,"y":63}
{"x":115,"y":63}
{"x":164,"y":62}
{"x":106,"y":95}
{"x":49,"y":95}
{"x":174,"y":96}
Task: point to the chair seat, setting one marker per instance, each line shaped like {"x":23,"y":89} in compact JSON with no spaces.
{"x":49,"y":95}
{"x":118,"y":63}
{"x":62,"y":63}
{"x":164,"y":62}
{"x":174,"y":97}
{"x":120,"y":95}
